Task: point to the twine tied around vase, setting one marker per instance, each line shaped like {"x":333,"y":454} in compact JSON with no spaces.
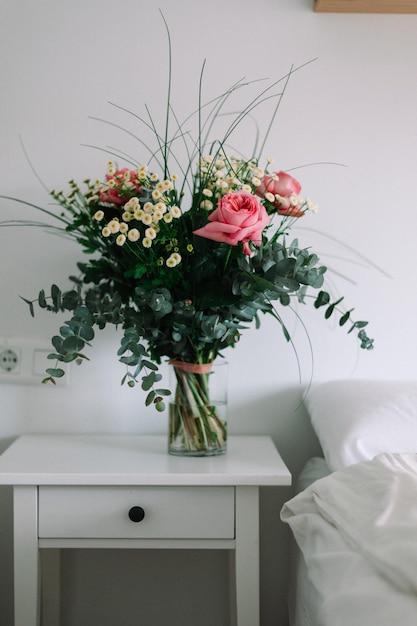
{"x":192,"y":368}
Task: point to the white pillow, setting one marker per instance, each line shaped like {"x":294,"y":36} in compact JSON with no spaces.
{"x":355,"y":420}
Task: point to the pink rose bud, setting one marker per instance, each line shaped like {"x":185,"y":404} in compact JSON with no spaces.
{"x":284,"y":185}
{"x":121,"y":191}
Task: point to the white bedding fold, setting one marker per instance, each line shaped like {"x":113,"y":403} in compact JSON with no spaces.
{"x":357,"y":529}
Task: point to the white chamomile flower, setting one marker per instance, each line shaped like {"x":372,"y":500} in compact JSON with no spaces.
{"x":247,"y":188}
{"x":154,"y":178}
{"x":168,"y":218}
{"x":121,"y":240}
{"x":98,"y":215}
{"x":156,"y":194}
{"x":177,"y":257}
{"x":294,"y":200}
{"x":284,"y":202}
{"x":114,"y":226}
{"x":219,"y":174}
{"x":132,"y":204}
{"x":150,"y":233}
{"x":157,"y":216}
{"x":269,"y":196}
{"x":146,"y":219}
{"x":123,"y":228}
{"x":146,"y":242}
{"x":208,"y":193}
{"x":311,"y":206}
{"x":133,"y":234}
{"x":207,"y":205}
{"x":255,"y":181}
{"x":160,"y":206}
{"x":127,"y":216}
{"x":148,"y":207}
{"x":258,"y":172}
{"x":175,"y":211}
{"x":138,"y":214}
{"x":106,"y":232}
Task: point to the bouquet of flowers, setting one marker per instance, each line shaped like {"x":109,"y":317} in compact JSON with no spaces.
{"x":183,"y":261}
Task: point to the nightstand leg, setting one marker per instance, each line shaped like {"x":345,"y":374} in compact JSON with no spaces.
{"x":247,"y":556}
{"x":26,"y":556}
{"x":50,"y":578}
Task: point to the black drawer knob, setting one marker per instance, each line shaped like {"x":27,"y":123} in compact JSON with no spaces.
{"x":136,"y":514}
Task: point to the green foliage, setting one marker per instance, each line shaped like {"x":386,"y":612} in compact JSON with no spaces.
{"x":156,"y":323}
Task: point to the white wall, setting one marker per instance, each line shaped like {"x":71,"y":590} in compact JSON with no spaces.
{"x":62,"y":62}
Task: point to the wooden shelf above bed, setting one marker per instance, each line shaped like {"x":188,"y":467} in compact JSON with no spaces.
{"x":365,"y":6}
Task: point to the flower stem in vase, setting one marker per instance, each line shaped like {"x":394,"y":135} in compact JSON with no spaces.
{"x":198,"y":424}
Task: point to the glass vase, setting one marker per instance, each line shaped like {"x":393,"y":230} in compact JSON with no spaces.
{"x":198,"y":409}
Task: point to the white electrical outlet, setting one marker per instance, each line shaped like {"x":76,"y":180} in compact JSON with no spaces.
{"x":24,"y":361}
{"x":10,"y":360}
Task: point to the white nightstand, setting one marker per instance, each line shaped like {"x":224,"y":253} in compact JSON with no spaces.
{"x":109,"y":491}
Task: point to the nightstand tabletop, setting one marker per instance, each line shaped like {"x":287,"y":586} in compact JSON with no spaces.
{"x":137,"y":460}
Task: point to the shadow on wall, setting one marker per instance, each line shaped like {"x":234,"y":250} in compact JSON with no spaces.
{"x":283,"y":416}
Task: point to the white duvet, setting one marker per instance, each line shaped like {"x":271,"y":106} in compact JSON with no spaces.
{"x":357,"y":530}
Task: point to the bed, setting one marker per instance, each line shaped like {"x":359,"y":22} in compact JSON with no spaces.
{"x":354,"y":518}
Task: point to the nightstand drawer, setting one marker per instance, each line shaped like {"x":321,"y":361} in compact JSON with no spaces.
{"x":137,"y":512}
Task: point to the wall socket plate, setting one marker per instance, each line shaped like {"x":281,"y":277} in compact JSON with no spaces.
{"x":10,"y":360}
{"x":24,"y":361}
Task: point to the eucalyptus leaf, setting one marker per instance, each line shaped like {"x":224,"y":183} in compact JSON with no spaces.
{"x":42,"y":300}
{"x":148,"y":381}
{"x":72,"y":344}
{"x":55,"y":372}
{"x":56,"y":297}
{"x":57,"y":342}
{"x":322,"y":299}
{"x":31,"y":307}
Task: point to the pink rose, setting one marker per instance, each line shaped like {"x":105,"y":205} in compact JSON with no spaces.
{"x":124,"y":185}
{"x":239,"y":217}
{"x":284,"y":185}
